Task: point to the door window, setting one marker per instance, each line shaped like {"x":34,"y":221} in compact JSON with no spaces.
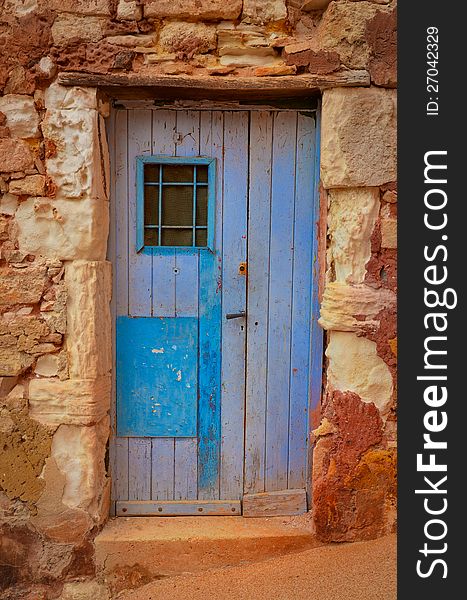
{"x":175,"y":202}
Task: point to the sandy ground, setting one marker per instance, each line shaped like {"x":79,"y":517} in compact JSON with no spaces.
{"x":360,"y":571}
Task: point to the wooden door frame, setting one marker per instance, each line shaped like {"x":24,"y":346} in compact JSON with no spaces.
{"x":318,"y":250}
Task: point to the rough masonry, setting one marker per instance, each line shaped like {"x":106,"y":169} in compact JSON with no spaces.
{"x":55,"y":284}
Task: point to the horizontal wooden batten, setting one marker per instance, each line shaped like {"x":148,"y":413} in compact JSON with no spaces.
{"x":275,"y":504}
{"x":127,"y":86}
{"x":199,"y":508}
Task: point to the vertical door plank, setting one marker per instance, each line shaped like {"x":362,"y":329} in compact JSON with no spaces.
{"x":120,"y":201}
{"x":111,"y":254}
{"x":139,"y":291}
{"x":139,"y":468}
{"x":280,"y":300}
{"x":120,"y":470}
{"x":140,"y":263}
{"x":234,"y":300}
{"x":258,"y":289}
{"x":186,"y":283}
{"x":163,"y":305}
{"x":163,"y":263}
{"x":301,"y":302}
{"x":186,"y":471}
{"x":119,"y":211}
{"x":186,"y":449}
{"x":163,"y":456}
{"x":209,"y":409}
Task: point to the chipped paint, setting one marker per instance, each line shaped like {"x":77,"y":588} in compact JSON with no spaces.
{"x":158,"y":350}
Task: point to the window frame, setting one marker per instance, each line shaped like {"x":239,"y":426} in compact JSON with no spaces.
{"x":141,"y":161}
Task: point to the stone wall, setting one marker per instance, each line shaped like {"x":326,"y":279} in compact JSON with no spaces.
{"x":55,"y":355}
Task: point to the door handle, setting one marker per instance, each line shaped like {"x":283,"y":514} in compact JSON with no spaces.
{"x":236,"y":315}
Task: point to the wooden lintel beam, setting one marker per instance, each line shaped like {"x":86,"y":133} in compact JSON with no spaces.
{"x":147,"y":85}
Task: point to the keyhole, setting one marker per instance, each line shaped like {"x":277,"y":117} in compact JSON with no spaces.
{"x":176,"y":270}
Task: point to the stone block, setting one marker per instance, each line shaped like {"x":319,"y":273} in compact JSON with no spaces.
{"x":47,"y":365}
{"x":15,"y":155}
{"x":355,"y":366}
{"x":72,"y":402}
{"x":389,"y":233}
{"x":351,"y":220}
{"x":188,"y":38}
{"x":353,"y":307}
{"x":68,"y":28}
{"x":264,"y":11}
{"x":22,"y":285}
{"x":31,"y":185}
{"x":13,"y":361}
{"x":59,"y":97}
{"x":129,"y":10}
{"x":76,"y":159}
{"x":315,"y":4}
{"x":381,"y":36}
{"x":20,"y":8}
{"x":358,"y":138}
{"x":57,"y":521}
{"x":8,"y":204}
{"x":193,"y":10}
{"x":84,"y":590}
{"x":79,"y":453}
{"x":343,"y":30}
{"x":22,"y":118}
{"x":63,"y":229}
{"x":88,"y":317}
{"x":80,"y":7}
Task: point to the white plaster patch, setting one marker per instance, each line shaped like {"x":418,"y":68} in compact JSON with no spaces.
{"x":351,"y":220}
{"x":355,"y":366}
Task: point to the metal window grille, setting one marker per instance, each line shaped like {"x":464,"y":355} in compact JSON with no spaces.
{"x":176,"y":204}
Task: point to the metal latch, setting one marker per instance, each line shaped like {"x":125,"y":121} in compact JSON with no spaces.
{"x":237,"y":315}
{"x":242,"y":268}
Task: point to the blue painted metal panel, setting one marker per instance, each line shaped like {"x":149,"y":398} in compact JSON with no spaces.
{"x":157,"y":365}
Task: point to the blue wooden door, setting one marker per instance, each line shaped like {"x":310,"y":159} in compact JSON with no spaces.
{"x":209,"y":408}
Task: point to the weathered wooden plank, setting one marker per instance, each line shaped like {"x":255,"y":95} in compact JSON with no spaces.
{"x":139,"y":469}
{"x":233,"y":300}
{"x":186,"y":450}
{"x":280,"y":300}
{"x":120,"y":203}
{"x":197,"y":508}
{"x":162,"y":464}
{"x":209,"y":409}
{"x":186,"y":282}
{"x":209,"y":403}
{"x":261,"y":125}
{"x":275,"y":504}
{"x":163,"y":263}
{"x":120,"y":469}
{"x":139,"y":263}
{"x":185,"y":469}
{"x":159,"y":86}
{"x":301,"y":301}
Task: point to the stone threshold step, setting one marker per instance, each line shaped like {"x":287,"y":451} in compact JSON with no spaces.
{"x":135,"y":550}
